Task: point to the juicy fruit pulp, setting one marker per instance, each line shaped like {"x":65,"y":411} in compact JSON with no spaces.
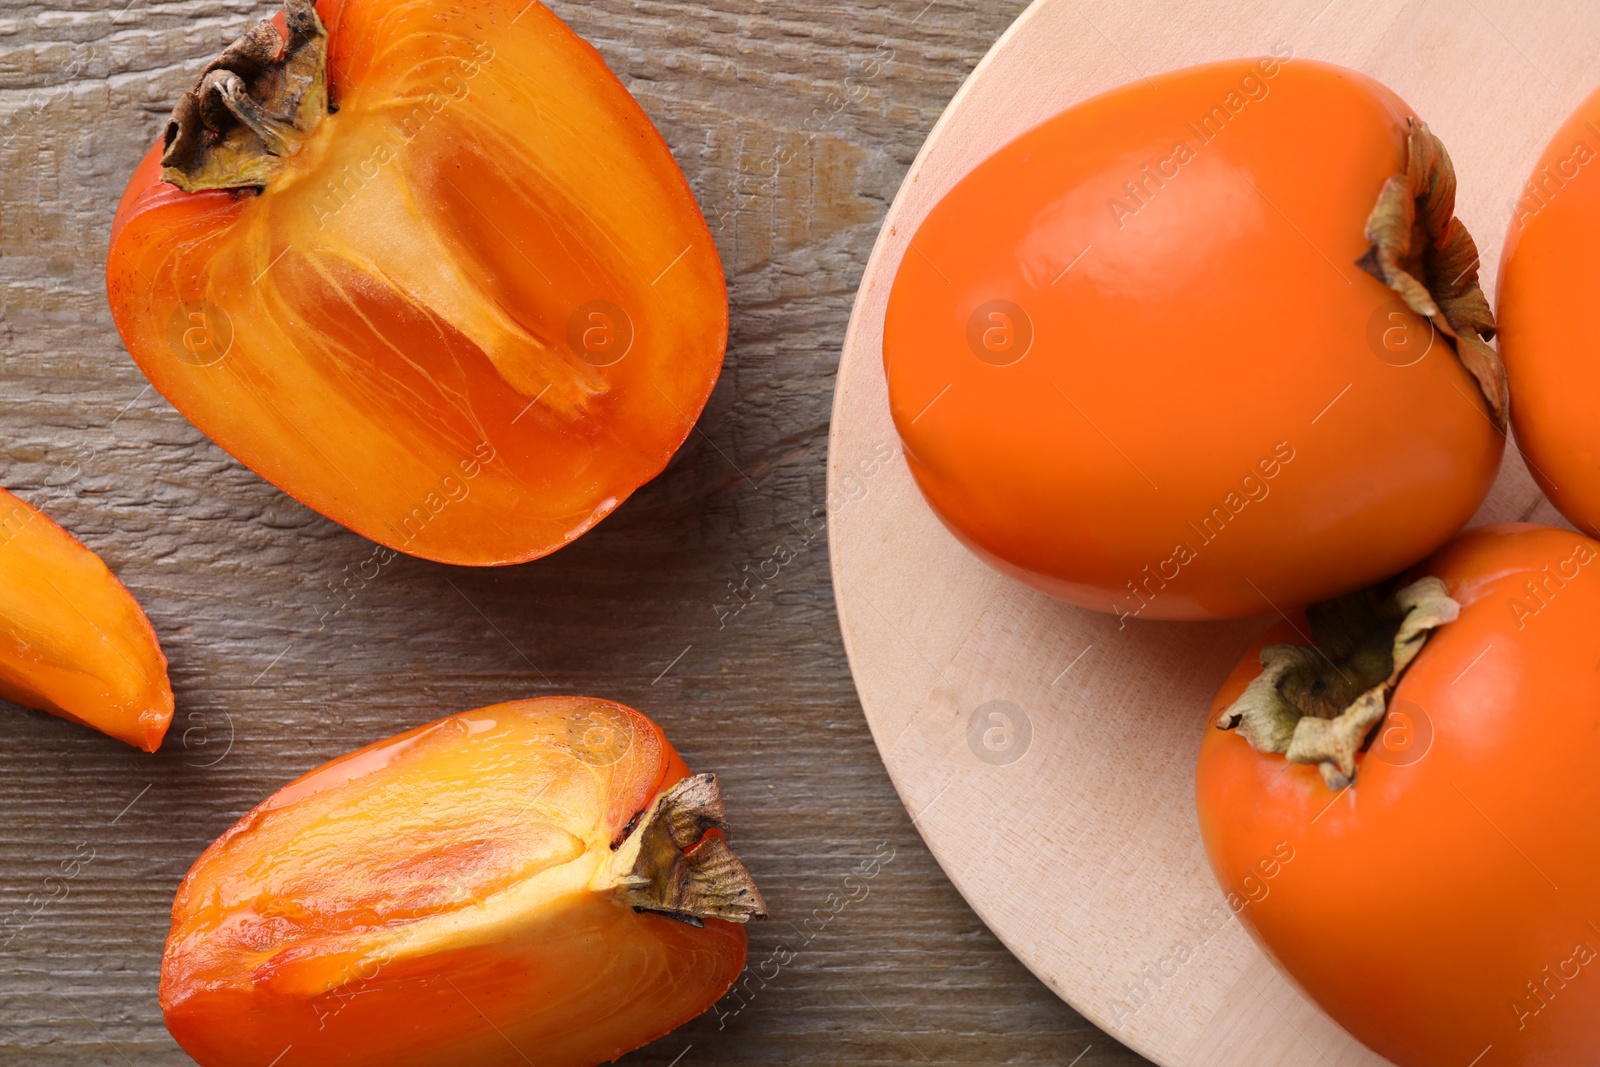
{"x":1135,"y":361}
{"x":1549,"y":273}
{"x":73,"y":641}
{"x":1441,"y":908}
{"x":457,"y":895}
{"x":466,"y":314}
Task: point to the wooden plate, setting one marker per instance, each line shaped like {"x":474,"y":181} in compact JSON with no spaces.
{"x":1045,"y":755}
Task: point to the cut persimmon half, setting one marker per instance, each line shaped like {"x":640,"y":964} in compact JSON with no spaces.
{"x":538,"y":881}
{"x":426,"y":267}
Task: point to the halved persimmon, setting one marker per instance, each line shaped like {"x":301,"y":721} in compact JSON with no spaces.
{"x":73,"y":641}
{"x":538,"y":881}
{"x":1207,"y":345}
{"x":428,"y":268}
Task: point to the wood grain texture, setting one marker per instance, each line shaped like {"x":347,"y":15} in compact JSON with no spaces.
{"x":1078,"y":841}
{"x":794,"y":123}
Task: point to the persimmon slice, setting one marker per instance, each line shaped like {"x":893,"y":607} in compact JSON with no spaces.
{"x":73,"y":641}
{"x":465,"y":314}
{"x":541,"y":881}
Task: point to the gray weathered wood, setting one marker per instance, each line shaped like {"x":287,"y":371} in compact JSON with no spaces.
{"x":275,"y":673}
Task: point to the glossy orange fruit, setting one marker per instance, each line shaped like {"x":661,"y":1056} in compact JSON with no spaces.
{"x":466,"y":314}
{"x":73,"y":641}
{"x":1549,"y":274}
{"x":1441,"y":908}
{"x":539,"y":881}
{"x":1138,"y":357}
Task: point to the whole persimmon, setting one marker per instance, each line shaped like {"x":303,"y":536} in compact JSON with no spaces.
{"x":1549,"y":275}
{"x":428,"y":268}
{"x":73,"y":641}
{"x":540,"y":881}
{"x":1433,"y":888}
{"x":1208,"y":345}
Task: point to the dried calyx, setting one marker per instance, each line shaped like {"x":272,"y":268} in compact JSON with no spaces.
{"x":1424,"y":253}
{"x":1320,"y":703}
{"x":675,"y":862}
{"x":252,"y":106}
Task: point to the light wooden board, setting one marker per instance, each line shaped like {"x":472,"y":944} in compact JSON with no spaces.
{"x":1076,"y":841}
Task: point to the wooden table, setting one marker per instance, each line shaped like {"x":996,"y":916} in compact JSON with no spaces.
{"x":794,"y":123}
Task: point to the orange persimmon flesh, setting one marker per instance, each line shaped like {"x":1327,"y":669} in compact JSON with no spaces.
{"x":473,"y":310}
{"x":442,"y":898}
{"x":73,"y":641}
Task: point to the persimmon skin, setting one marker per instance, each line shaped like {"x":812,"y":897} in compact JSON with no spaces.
{"x":73,"y":641}
{"x":1549,"y":274}
{"x":423,"y":902}
{"x":387,"y":332}
{"x":1202,"y":427}
{"x":1416,"y":906}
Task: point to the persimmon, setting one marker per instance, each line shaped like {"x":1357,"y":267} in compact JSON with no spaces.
{"x":426,"y":267}
{"x":537,"y":881}
{"x":73,"y":641}
{"x":1433,"y":887}
{"x":1204,"y":346}
{"x":1549,"y":273}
